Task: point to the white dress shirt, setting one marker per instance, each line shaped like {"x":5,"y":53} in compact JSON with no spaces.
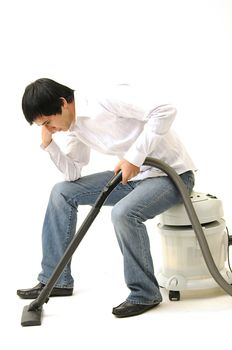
{"x":125,"y":124}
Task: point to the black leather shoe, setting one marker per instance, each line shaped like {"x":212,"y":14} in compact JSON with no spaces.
{"x":127,"y":309}
{"x":32,"y":293}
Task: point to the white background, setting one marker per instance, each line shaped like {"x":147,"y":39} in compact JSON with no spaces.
{"x":181,"y":47}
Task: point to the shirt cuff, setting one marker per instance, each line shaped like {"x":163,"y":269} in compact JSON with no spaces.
{"x":135,"y":157}
{"x":52,"y":148}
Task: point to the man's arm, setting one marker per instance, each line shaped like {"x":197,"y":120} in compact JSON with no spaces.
{"x":71,"y":162}
{"x":127,"y":102}
{"x":158,"y":122}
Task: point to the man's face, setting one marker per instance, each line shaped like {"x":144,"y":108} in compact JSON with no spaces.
{"x":57,"y":122}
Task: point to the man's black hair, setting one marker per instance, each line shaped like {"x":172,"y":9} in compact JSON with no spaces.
{"x":43,"y":97}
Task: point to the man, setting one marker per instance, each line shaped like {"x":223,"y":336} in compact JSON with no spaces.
{"x":124,"y":124}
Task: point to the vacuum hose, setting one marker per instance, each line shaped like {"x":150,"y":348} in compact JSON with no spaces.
{"x":194,"y":221}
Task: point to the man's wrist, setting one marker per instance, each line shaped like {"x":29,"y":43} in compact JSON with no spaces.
{"x":46,"y":144}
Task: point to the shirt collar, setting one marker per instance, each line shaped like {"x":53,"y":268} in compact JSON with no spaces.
{"x":81,"y":108}
{"x":81,"y":104}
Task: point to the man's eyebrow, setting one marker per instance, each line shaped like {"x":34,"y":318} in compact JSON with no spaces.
{"x":45,"y":122}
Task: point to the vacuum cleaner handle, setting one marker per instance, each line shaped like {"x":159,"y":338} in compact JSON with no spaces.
{"x":108,"y":189}
{"x":44,"y":295}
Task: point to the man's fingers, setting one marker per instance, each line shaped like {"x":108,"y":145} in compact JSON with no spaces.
{"x":128,"y":170}
{"x":117,"y":169}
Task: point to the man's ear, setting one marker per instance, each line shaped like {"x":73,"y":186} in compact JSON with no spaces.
{"x":64,"y":102}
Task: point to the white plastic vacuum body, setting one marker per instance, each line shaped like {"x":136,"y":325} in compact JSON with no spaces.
{"x":183,"y":266}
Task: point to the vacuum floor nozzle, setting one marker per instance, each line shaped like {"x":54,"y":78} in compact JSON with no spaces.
{"x":31,"y":317}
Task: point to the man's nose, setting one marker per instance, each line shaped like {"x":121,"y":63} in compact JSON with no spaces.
{"x":51,"y":128}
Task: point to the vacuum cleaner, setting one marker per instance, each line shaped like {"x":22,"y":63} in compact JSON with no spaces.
{"x":183,"y":266}
{"x":32,"y":313}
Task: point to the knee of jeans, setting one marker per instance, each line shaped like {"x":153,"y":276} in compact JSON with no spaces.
{"x":119,"y":214}
{"x":58,"y":192}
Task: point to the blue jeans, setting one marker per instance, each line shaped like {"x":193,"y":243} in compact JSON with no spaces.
{"x":133,"y":204}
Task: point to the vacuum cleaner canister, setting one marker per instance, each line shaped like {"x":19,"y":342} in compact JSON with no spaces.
{"x":183,"y":265}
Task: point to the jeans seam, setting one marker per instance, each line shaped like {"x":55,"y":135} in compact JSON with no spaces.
{"x":135,"y":221}
{"x":141,"y":239}
{"x":67,"y":235}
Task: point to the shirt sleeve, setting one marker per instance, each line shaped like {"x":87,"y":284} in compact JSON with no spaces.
{"x":157,"y":124}
{"x":71,"y":162}
{"x":158,"y":118}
